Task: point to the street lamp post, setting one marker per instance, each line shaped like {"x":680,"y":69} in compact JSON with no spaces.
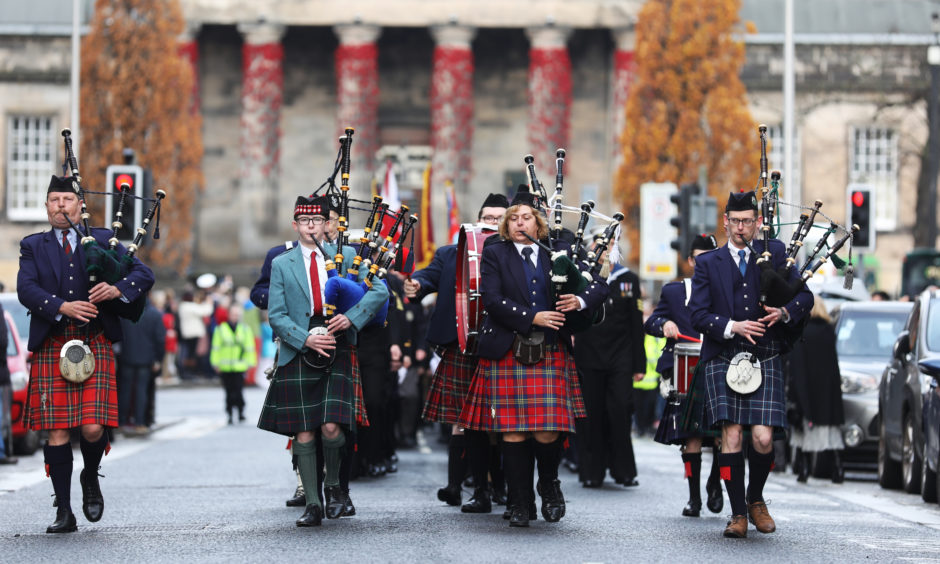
{"x":933,"y":138}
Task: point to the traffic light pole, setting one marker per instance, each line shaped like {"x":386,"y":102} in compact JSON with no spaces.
{"x":928,"y":221}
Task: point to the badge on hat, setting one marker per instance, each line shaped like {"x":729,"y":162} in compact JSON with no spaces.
{"x":317,"y":205}
{"x":61,"y":184}
{"x":741,"y":201}
{"x":525,"y":197}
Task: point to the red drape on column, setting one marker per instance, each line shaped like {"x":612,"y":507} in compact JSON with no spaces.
{"x":262,"y":96}
{"x":549,"y":102}
{"x":451,"y":116}
{"x":624,"y":73}
{"x":357,"y":91}
{"x":189,"y":51}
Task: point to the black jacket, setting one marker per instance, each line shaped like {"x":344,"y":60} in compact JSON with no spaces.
{"x":815,"y":381}
{"x":617,"y":342}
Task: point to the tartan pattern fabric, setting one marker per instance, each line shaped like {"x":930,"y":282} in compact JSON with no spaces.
{"x":764,"y":406}
{"x":301,"y":398}
{"x":449,"y":386}
{"x":507,"y":396}
{"x":67,"y":404}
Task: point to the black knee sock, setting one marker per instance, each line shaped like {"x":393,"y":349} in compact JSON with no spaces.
{"x":732,"y":473}
{"x":345,"y":465}
{"x":530,"y":469}
{"x":693,"y":473}
{"x":59,"y":465}
{"x":93,"y":451}
{"x":548,"y":456}
{"x":515,"y":464}
{"x":497,"y":474}
{"x":478,"y":453}
{"x":714,"y":477}
{"x":456,"y":460}
{"x":759,"y":466}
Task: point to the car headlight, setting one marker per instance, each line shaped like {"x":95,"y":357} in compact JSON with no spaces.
{"x":854,"y":383}
{"x":19,"y":380}
{"x":853,"y":436}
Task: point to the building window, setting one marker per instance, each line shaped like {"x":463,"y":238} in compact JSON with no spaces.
{"x":30,"y":161}
{"x":873,"y":160}
{"x":775,"y":161}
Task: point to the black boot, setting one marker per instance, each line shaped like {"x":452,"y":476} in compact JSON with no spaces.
{"x":516,"y":465}
{"x":804,"y":467}
{"x":479,"y":503}
{"x":693,"y":472}
{"x":64,"y":522}
{"x":312,"y":517}
{"x":549,"y":486}
{"x":456,"y":468}
{"x":838,"y":471}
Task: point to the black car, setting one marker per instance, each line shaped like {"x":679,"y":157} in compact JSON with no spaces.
{"x":930,"y":470}
{"x":900,"y":397}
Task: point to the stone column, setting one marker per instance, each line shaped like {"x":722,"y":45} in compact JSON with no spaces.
{"x":549,"y":93}
{"x":262,"y":95}
{"x":188,"y":48}
{"x":451,"y":113}
{"x":357,"y":96}
{"x":624,"y":72}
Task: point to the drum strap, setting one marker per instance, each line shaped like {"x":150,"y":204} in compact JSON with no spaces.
{"x":688,"y":290}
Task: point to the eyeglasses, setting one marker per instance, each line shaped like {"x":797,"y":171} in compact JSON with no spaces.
{"x":316,"y":220}
{"x":745,"y":221}
{"x":491,"y":219}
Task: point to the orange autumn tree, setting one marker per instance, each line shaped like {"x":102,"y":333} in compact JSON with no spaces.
{"x":136,"y":93}
{"x":687,"y":107}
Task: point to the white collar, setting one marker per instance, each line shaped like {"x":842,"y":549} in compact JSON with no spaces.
{"x":520,"y":246}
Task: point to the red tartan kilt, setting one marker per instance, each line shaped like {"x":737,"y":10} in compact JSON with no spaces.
{"x":69,"y":405}
{"x":449,"y":386}
{"x":359,"y":402}
{"x":506,"y":396}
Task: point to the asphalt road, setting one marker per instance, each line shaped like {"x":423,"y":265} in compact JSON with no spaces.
{"x":199,"y":490}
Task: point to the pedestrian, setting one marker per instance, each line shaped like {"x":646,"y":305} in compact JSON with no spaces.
{"x":142,"y":352}
{"x":670,"y":320}
{"x":815,"y":394}
{"x":4,"y":384}
{"x":233,"y":353}
{"x":192,"y":311}
{"x":64,"y":307}
{"x":527,"y":391}
{"x":725,"y":308}
{"x":307,"y":392}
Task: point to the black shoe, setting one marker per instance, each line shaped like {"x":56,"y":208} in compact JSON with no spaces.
{"x":716,"y":500}
{"x":241,"y":417}
{"x":299,"y":499}
{"x":450,"y":495}
{"x":335,"y":502}
{"x":630,"y":483}
{"x":533,"y":512}
{"x":469,"y":482}
{"x":390,"y":466}
{"x":479,"y":503}
{"x":312,"y":517}
{"x":64,"y":522}
{"x":571,"y":465}
{"x":376,"y":470}
{"x":92,"y":500}
{"x":9,"y":460}
{"x":498,"y":497}
{"x":592,"y":483}
{"x":692,"y":509}
{"x":518,"y":516}
{"x":553,"y":502}
{"x":349,"y":509}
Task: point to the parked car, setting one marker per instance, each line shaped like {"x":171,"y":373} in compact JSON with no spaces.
{"x":930,"y":470}
{"x":900,"y":397}
{"x":23,"y":440}
{"x":11,"y":304}
{"x":865,"y":335}
{"x":832,"y":290}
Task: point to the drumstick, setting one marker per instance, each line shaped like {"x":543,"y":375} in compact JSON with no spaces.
{"x":687,"y":338}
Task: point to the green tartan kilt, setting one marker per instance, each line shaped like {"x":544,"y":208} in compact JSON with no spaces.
{"x":301,"y":398}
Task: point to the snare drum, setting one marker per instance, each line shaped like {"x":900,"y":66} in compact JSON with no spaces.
{"x":686,"y":357}
{"x":469,"y":304}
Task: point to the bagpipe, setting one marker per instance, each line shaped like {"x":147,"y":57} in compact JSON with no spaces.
{"x":378,"y":249}
{"x":778,"y":287}
{"x":104,"y":264}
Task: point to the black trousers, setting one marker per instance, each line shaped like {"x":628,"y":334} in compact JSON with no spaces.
{"x":234,"y":383}
{"x":373,"y":439}
{"x":604,"y":436}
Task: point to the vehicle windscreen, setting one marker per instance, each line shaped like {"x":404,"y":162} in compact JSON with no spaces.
{"x":11,"y":344}
{"x":869,"y":334}
{"x":933,"y":325}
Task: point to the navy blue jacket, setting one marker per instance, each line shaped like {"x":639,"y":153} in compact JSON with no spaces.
{"x":714,"y":301}
{"x":441,"y":276}
{"x":261,"y":289}
{"x":144,"y":341}
{"x":506,"y":298}
{"x":671,"y":307}
{"x":43,"y":285}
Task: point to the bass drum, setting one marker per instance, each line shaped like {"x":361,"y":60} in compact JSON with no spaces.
{"x":469,"y":305}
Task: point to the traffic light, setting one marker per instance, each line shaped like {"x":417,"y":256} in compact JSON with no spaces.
{"x":861,"y":206}
{"x":682,"y":221}
{"x":132,"y":214}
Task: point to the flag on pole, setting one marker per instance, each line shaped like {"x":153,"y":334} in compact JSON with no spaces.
{"x":425,"y":225}
{"x":453,"y":213}
{"x":390,"y":188}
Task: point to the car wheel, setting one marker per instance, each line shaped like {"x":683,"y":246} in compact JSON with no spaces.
{"x":889,"y":471}
{"x":928,"y":482}
{"x":27,"y":444}
{"x":910,"y":462}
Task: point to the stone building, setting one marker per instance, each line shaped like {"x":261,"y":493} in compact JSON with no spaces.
{"x":472,"y":87}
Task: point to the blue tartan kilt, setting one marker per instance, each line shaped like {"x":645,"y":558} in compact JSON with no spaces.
{"x":301,"y":398}
{"x":764,"y":406}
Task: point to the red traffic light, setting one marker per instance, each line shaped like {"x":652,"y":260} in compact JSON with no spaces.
{"x":858,"y":198}
{"x":123,"y":179}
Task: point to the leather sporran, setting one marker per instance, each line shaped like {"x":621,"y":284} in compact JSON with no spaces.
{"x":315,"y":359}
{"x":529,"y":349}
{"x":76,"y":361}
{"x":744,"y":373}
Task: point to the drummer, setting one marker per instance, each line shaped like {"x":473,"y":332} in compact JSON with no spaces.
{"x":670,"y":319}
{"x":451,"y":380}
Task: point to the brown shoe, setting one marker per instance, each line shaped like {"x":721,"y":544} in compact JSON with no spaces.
{"x":757,"y":512}
{"x":737,"y":527}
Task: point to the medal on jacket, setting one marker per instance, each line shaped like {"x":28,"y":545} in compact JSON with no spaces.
{"x":744,"y":374}
{"x":76,"y":363}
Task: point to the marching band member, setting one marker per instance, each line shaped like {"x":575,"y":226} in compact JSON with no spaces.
{"x":53,"y":285}
{"x":302,"y":398}
{"x":671,"y":319}
{"x":740,"y":336}
{"x":525,"y":385}
{"x":451,"y":380}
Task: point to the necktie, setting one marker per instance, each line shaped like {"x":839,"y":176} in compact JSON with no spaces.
{"x":315,"y":285}
{"x":65,"y":244}
{"x":527,"y":257}
{"x":742,"y":264}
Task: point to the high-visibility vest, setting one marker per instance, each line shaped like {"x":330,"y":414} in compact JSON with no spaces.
{"x":233,"y":351}
{"x":654,"y":347}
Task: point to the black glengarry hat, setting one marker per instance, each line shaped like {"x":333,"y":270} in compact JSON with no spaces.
{"x":741,"y":201}
{"x":525,"y":197}
{"x":495,"y":201}
{"x":703,"y":242}
{"x":318,"y":205}
{"x":60,"y":184}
